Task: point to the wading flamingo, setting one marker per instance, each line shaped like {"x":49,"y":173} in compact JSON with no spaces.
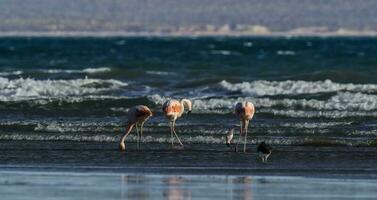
{"x":137,"y":115}
{"x":174,"y":109}
{"x":245,"y":112}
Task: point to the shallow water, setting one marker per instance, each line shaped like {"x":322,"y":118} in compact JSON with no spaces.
{"x":335,"y":162}
{"x":42,"y":185}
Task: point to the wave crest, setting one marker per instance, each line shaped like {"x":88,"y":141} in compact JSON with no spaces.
{"x":77,"y":71}
{"x":342,"y":101}
{"x":289,"y":87}
{"x":29,"y":88}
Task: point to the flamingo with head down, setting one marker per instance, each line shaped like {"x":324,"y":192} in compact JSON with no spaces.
{"x":137,"y":115}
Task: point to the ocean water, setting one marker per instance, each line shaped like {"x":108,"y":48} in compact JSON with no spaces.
{"x":63,"y":103}
{"x":306,"y":90}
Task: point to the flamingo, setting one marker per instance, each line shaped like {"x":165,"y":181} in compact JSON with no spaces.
{"x":137,"y":115}
{"x":245,"y":112}
{"x":174,"y":109}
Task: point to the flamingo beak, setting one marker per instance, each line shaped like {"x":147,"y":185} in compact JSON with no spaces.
{"x":188,"y":112}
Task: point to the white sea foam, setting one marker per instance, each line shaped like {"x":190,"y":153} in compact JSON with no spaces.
{"x":318,"y":114}
{"x":119,"y":109}
{"x":307,"y":125}
{"x":342,"y":101}
{"x":69,"y":99}
{"x":248,"y":44}
{"x":285,"y":53}
{"x":63,"y":137}
{"x":158,"y":99}
{"x":107,"y":132}
{"x":185,"y":139}
{"x":77,"y":71}
{"x":289,"y":87}
{"x":26,"y":89}
{"x":111,"y":138}
{"x":56,"y":127}
{"x":342,"y":104}
{"x":222,"y":52}
{"x":10,"y":73}
{"x":161,"y":73}
{"x":200,"y":105}
{"x":190,"y":131}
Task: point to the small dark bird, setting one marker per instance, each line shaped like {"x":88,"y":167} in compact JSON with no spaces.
{"x":264,"y":150}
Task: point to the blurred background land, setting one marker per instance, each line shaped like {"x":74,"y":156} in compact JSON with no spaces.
{"x":194,"y":17}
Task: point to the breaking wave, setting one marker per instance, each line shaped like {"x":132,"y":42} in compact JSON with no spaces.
{"x":10,"y":73}
{"x":58,"y":71}
{"x":78,"y":71}
{"x":289,"y":87}
{"x":194,"y":139}
{"x":339,"y":102}
{"x":29,"y":88}
{"x":161,"y":73}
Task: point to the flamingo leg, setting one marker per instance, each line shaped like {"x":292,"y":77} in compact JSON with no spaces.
{"x":171,"y":134}
{"x":141,"y":130}
{"x":244,"y":144}
{"x":122,"y":145}
{"x":138,"y":136}
{"x":239,"y":138}
{"x":176,"y":134}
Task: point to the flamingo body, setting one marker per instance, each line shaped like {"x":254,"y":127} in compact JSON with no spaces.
{"x":172,"y":109}
{"x":139,"y":114}
{"x":245,"y":110}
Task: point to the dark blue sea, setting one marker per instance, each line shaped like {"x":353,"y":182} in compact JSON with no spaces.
{"x":63,"y":105}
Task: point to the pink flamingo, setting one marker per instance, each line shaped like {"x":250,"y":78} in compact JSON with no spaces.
{"x":245,"y":112}
{"x":137,"y":115}
{"x":174,"y":109}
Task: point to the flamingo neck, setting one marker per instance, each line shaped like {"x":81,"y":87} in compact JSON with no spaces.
{"x":185,"y":103}
{"x":127,"y":131}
